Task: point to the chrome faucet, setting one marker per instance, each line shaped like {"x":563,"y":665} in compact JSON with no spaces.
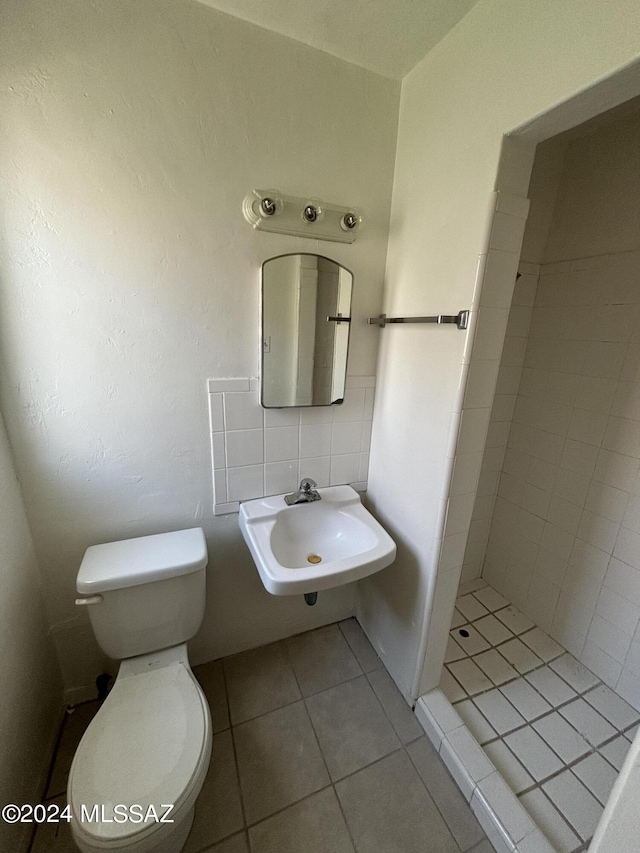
{"x":305,"y":494}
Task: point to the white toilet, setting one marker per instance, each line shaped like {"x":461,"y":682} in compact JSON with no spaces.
{"x":149,"y":745}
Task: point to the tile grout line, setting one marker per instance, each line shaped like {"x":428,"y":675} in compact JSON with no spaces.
{"x":315,"y":735}
{"x":565,"y":818}
{"x":446,"y":822}
{"x":579,"y":694}
{"x":235,"y":752}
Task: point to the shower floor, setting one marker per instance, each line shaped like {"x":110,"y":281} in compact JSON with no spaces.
{"x":555,"y":732}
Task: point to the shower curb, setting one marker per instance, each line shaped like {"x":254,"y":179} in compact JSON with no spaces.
{"x":508,"y":825}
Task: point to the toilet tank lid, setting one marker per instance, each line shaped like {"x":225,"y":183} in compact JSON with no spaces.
{"x":116,"y":565}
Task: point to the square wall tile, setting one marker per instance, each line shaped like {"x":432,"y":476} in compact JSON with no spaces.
{"x":282,"y":417}
{"x":281,"y":477}
{"x":346,"y":438}
{"x":244,"y":447}
{"x":344,"y":469}
{"x":353,"y":407}
{"x":315,"y":440}
{"x":242,"y":410}
{"x":317,"y":469}
{"x":245,"y":483}
{"x":281,"y":443}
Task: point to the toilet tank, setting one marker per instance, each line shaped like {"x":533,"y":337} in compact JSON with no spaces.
{"x":149,"y":591}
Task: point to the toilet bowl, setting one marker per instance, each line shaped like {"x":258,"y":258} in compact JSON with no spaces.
{"x":142,"y":761}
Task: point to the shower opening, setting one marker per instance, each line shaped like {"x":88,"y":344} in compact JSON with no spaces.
{"x":543,"y":656}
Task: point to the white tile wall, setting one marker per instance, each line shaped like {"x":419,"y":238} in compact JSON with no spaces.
{"x":564,"y":540}
{"x":258,"y":451}
{"x":499,"y":291}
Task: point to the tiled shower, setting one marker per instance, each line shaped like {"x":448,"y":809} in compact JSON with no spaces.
{"x":543,"y":662}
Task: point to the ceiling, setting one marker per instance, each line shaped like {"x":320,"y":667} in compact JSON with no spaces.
{"x":385,"y":36}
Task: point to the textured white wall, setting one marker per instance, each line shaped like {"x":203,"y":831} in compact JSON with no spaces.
{"x":131,"y":133}
{"x":502,"y":65}
{"x":31,"y":703}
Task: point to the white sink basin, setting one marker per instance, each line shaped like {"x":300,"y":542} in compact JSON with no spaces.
{"x":286,"y":541}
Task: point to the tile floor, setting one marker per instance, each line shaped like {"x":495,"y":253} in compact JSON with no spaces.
{"x":314,"y":751}
{"x":557,"y":734}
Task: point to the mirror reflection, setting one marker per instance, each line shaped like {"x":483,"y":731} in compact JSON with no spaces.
{"x":306,"y":307}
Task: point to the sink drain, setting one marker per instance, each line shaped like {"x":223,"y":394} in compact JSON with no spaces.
{"x":314,"y":558}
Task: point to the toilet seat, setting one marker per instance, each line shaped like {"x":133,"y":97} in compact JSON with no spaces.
{"x":149,"y":744}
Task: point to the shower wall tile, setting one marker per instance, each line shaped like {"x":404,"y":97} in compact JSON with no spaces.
{"x":500,"y":282}
{"x":564,"y":540}
{"x":258,"y":451}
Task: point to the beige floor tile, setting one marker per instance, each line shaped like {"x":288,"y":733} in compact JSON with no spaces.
{"x":259,"y":681}
{"x":387,"y":808}
{"x":322,"y":659}
{"x":315,"y":825}
{"x":236,"y":844}
{"x":351,"y":726}
{"x":218,"y":807}
{"x":279,"y":761}
{"x":360,"y":645}
{"x":395,"y":706}
{"x":445,"y":793}
{"x":211,"y":679}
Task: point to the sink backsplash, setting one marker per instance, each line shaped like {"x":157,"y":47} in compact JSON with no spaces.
{"x":257,"y":452}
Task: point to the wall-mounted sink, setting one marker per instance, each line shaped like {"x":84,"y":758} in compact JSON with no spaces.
{"x":314,"y":546}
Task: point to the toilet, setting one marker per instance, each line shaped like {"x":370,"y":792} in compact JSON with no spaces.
{"x":142,"y":762}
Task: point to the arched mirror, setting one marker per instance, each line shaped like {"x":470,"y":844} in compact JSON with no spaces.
{"x":306,"y":312}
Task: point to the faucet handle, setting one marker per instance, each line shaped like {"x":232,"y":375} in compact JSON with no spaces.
{"x":306,"y":484}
